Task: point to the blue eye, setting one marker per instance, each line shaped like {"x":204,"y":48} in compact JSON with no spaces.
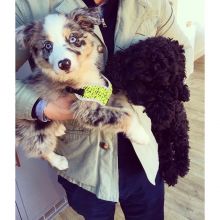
{"x":48,"y":45}
{"x":72,"y":39}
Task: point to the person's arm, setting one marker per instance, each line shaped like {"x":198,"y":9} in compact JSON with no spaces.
{"x":168,"y":27}
{"x":25,"y":97}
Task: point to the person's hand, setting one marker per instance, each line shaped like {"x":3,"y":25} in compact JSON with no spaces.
{"x":60,"y":108}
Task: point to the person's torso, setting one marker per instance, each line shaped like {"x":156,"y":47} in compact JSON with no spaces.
{"x":91,"y":165}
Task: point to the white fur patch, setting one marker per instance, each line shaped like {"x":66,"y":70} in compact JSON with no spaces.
{"x":60,"y":131}
{"x":57,"y":161}
{"x":137,"y":133}
{"x":53,"y":26}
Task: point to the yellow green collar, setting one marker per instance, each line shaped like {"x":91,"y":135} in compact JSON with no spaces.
{"x":97,"y":93}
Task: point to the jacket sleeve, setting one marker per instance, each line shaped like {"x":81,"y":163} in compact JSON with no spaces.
{"x":168,"y":27}
{"x":25,"y":100}
{"x":25,"y":97}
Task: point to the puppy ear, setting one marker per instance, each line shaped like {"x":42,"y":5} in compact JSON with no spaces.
{"x":24,"y":34}
{"x":86,"y":17}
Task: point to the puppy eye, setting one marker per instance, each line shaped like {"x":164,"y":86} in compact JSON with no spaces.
{"x":72,"y":39}
{"x":48,"y":45}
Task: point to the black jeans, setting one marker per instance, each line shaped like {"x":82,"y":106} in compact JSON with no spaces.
{"x":139,"y":199}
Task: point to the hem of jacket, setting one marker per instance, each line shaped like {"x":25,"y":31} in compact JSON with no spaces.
{"x":89,"y":188}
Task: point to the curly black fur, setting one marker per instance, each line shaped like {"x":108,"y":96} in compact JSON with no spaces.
{"x":152,"y":74}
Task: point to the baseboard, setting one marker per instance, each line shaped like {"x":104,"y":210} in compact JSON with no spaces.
{"x":55,"y":210}
{"x":199,"y":54}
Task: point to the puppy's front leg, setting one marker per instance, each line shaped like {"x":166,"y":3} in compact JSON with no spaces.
{"x":136,"y":133}
{"x":60,"y":131}
{"x":93,"y":115}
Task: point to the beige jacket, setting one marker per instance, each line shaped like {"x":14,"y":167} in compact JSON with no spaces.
{"x":90,"y":166}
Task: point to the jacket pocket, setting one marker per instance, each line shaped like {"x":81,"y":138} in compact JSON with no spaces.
{"x":82,"y":155}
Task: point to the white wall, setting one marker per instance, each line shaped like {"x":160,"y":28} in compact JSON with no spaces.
{"x":190,"y":16}
{"x":188,"y":10}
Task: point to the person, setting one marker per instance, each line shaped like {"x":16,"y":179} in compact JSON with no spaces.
{"x":99,"y":176}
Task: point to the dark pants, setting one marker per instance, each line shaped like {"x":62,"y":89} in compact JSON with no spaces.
{"x":139,"y":199}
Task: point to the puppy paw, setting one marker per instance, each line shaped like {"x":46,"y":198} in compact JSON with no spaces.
{"x":60,"y":130}
{"x":57,"y":161}
{"x":136,"y":133}
{"x":61,"y":163}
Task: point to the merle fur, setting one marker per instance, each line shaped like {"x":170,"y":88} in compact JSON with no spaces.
{"x":39,"y":139}
{"x":152,"y":74}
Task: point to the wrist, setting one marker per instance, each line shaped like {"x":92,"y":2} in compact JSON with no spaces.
{"x":33,"y":113}
{"x":39,"y":111}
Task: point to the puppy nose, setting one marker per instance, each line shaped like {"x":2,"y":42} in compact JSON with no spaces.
{"x":64,"y":64}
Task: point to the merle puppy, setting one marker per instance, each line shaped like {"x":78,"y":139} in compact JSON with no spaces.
{"x":152,"y":74}
{"x":66,"y":52}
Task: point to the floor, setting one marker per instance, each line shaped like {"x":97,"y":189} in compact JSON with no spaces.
{"x":185,"y":201}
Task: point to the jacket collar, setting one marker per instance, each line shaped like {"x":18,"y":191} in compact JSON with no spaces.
{"x":131,"y":14}
{"x":66,"y":4}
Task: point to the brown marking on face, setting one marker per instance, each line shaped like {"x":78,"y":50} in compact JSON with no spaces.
{"x":66,"y":32}
{"x":41,"y":62}
{"x":88,"y":49}
{"x":74,"y":51}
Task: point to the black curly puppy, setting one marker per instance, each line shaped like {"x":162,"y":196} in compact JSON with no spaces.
{"x":152,"y":74}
